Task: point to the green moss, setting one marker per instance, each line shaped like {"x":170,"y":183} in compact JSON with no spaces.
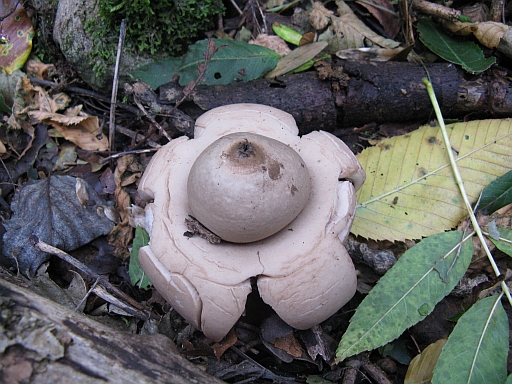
{"x":152,"y":25}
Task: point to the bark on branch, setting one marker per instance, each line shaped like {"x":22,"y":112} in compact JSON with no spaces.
{"x":44,"y":342}
{"x":362,"y":92}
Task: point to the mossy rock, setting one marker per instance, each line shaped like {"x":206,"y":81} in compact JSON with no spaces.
{"x":89,"y":43}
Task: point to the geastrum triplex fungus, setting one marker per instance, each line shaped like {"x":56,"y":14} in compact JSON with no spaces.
{"x":282,"y":205}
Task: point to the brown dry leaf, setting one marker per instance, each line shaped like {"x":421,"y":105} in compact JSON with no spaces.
{"x":35,"y":68}
{"x":229,"y":340}
{"x":421,"y":368}
{"x":289,"y":344}
{"x":319,"y":17}
{"x":383,"y":11}
{"x":274,"y":43}
{"x":122,"y":234}
{"x":2,"y":148}
{"x":348,"y":31}
{"x":488,"y":33}
{"x":84,"y":131}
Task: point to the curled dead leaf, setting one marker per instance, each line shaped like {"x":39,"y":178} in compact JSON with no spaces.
{"x":84,"y":131}
{"x":488,"y":33}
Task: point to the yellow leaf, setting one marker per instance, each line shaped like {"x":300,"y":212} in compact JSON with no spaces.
{"x":410,"y":191}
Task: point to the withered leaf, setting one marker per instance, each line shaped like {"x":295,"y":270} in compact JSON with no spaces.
{"x":50,"y":209}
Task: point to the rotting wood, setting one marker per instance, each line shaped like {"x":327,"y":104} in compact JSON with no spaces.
{"x":45,"y":342}
{"x":366,"y":92}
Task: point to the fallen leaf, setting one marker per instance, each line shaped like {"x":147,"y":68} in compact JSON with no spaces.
{"x":296,"y":58}
{"x":37,"y":69}
{"x":319,"y":17}
{"x":410,"y":191}
{"x":50,"y":209}
{"x":384,"y":12}
{"x":348,"y":31}
{"x":229,"y":340}
{"x":138,"y":277}
{"x":421,"y":368}
{"x":122,"y":234}
{"x":488,"y":33}
{"x":84,"y":131}
{"x":8,"y":85}
{"x":375,"y":54}
{"x":16,"y":35}
{"x":289,"y":344}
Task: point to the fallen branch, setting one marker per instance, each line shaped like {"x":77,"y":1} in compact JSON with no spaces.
{"x":356,"y":93}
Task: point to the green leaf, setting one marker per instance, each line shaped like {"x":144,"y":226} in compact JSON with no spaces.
{"x":476,"y":351}
{"x":509,"y":379}
{"x":464,"y":53}
{"x":286,"y":33}
{"x":233,"y":61}
{"x":406,"y":293}
{"x":465,"y":19}
{"x":3,"y":107}
{"x":504,"y":244}
{"x":410,"y":191}
{"x":137,"y":275}
{"x":497,"y":194}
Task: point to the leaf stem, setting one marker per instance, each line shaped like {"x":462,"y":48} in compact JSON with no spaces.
{"x":460,"y":184}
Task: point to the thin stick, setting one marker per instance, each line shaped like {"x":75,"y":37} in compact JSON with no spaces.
{"x":153,"y":121}
{"x":115,"y":85}
{"x":125,"y":153}
{"x":140,"y":311}
{"x":460,"y":184}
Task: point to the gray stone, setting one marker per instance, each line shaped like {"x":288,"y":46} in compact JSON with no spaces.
{"x":77,"y":45}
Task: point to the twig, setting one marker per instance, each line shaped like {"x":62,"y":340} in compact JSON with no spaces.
{"x":233,"y":2}
{"x":87,"y":295}
{"x":140,"y":311}
{"x":125,"y":153}
{"x":152,"y":119}
{"x":82,"y":92}
{"x":201,"y":71}
{"x":460,"y":184}
{"x":136,"y":136}
{"x":115,"y":85}
{"x":436,"y":10}
{"x":268,"y":374}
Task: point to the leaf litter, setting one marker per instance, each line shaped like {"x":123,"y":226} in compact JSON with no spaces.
{"x":443,"y":269}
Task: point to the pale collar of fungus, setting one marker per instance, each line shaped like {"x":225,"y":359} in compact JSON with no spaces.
{"x":303,"y":271}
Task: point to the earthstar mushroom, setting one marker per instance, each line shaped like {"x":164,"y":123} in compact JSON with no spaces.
{"x":302,"y":268}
